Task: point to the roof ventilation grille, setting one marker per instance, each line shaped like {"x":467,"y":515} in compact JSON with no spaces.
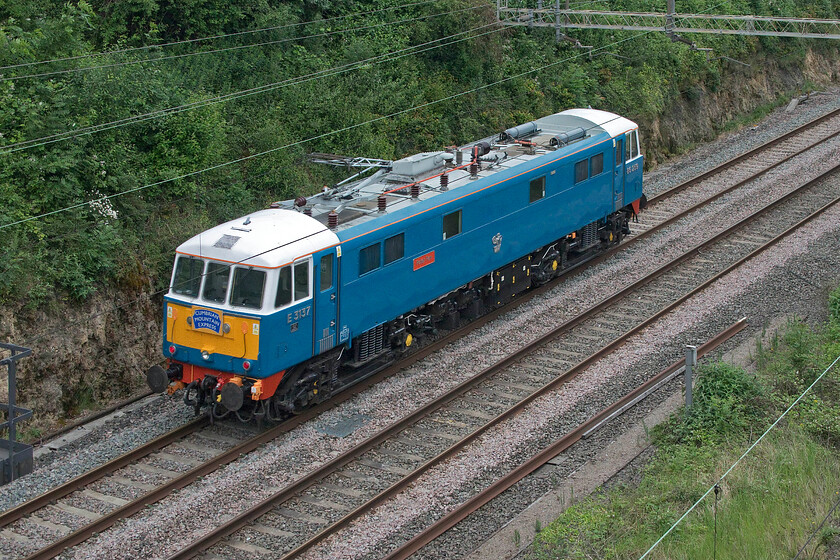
{"x":226,"y":241}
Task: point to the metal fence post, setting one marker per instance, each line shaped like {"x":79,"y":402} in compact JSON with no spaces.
{"x":15,"y":458}
{"x":690,"y":362}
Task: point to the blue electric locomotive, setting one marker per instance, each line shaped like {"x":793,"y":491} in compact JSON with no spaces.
{"x":278,"y":310}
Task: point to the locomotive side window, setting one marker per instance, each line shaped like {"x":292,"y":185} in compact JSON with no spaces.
{"x":597,"y":164}
{"x":394,"y":248}
{"x":537,"y":190}
{"x":631,"y":141}
{"x":284,"y":287}
{"x":581,"y":171}
{"x":247,"y":290}
{"x":619,"y":152}
{"x":369,"y":259}
{"x":216,"y":282}
{"x":187,"y":276}
{"x":302,"y":280}
{"x":451,"y":224}
{"x":326,"y":272}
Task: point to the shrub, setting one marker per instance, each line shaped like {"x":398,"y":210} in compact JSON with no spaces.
{"x":727,"y":401}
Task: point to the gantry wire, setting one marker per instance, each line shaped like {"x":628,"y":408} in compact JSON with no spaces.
{"x":118,"y":307}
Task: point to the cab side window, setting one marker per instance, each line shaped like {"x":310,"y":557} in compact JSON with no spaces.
{"x":326,"y":272}
{"x":301,"y":280}
{"x":631,"y":143}
{"x":284,"y":287}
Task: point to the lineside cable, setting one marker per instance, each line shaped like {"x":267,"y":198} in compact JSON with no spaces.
{"x":57,"y":137}
{"x":735,"y":464}
{"x":818,"y":529}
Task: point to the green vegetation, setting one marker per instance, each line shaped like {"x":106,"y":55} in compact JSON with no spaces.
{"x":773,"y":500}
{"x":127,"y":241}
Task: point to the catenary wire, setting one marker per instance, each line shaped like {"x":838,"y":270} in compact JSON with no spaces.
{"x":378,"y":59}
{"x":36,"y":142}
{"x":50,"y":139}
{"x":215,"y":37}
{"x":234,"y":48}
{"x":316,"y":137}
{"x":45,"y":140}
{"x":313,"y":138}
{"x":736,"y":463}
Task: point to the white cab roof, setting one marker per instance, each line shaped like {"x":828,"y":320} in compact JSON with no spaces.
{"x":614,"y":125}
{"x":267,"y":238}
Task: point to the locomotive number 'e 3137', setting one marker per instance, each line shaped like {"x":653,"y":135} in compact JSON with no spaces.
{"x":276,"y":311}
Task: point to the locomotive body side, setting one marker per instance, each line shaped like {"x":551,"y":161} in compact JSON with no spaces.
{"x":271,"y":305}
{"x":494,"y":206}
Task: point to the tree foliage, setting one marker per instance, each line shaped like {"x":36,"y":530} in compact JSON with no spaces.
{"x":320,"y":72}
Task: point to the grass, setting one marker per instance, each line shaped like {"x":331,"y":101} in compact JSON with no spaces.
{"x":769,"y":504}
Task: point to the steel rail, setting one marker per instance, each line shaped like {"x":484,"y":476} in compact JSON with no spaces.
{"x":654,"y":200}
{"x":306,"y":481}
{"x":658,"y":198}
{"x":96,"y":415}
{"x":462,"y":511}
{"x":117,"y":463}
{"x":748,"y":154}
{"x":459,"y":514}
{"x":153,"y":496}
{"x":572,"y":272}
{"x":567,"y":376}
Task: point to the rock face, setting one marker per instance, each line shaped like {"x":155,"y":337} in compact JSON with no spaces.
{"x":700,"y":114}
{"x":86,"y":355}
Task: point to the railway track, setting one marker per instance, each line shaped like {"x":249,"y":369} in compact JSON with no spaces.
{"x":329,"y":498}
{"x":766,"y":156}
{"x":110,"y":508}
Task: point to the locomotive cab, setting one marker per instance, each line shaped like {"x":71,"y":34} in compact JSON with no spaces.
{"x":248,"y":300}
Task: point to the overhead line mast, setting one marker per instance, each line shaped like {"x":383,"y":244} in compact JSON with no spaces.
{"x":548,"y":15}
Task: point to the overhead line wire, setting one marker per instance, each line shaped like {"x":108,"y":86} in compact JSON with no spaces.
{"x":385,"y":57}
{"x":318,"y":136}
{"x":57,"y":137}
{"x":214,"y":37}
{"x":237,"y":47}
